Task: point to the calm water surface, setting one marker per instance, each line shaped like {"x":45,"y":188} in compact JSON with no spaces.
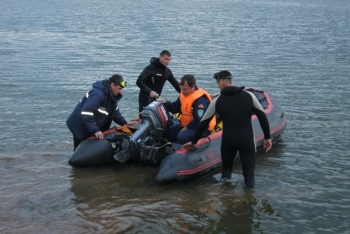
{"x":52,"y":51}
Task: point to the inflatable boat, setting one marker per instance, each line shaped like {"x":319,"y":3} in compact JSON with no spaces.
{"x":186,"y":164}
{"x":147,"y":143}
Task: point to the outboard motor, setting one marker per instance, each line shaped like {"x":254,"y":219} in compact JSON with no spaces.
{"x":147,"y":142}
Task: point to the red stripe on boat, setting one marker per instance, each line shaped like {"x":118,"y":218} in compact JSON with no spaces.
{"x":195,"y":170}
{"x":209,"y":164}
{"x":201,"y":141}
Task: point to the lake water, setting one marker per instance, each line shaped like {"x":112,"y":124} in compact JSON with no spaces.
{"x":52,"y":51}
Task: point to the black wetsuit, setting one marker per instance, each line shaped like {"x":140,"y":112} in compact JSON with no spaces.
{"x":153,"y":78}
{"x":235,"y":107}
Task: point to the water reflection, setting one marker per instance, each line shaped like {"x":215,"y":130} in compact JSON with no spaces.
{"x":235,"y":209}
{"x":125,"y":198}
{"x":93,"y":190}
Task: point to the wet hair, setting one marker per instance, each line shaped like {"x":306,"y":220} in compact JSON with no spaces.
{"x":191,"y":81}
{"x":116,"y":79}
{"x":223,"y":75}
{"x":165,"y":52}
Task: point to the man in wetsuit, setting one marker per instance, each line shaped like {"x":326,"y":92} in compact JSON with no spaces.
{"x":235,"y":107}
{"x":153,"y":77}
{"x":191,"y":104}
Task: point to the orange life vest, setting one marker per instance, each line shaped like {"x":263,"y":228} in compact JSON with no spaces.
{"x":186,"y":107}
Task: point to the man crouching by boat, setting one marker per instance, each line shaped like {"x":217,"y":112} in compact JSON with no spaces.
{"x":235,"y":107}
{"x":96,"y":110}
{"x":192,"y":104}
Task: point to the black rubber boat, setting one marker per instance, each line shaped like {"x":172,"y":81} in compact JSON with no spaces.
{"x":147,"y":144}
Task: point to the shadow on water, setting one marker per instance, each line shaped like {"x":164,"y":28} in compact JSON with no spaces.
{"x":114,"y":198}
{"x":126,"y":198}
{"x":122,"y":198}
{"x":214,"y":207}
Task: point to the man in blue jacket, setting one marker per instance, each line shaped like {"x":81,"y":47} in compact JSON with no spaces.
{"x":96,"y":110}
{"x":152,"y":79}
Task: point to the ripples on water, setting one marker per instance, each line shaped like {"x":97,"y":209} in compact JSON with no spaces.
{"x":51,"y":53}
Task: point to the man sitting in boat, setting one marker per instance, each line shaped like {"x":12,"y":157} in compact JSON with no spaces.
{"x":191,"y":104}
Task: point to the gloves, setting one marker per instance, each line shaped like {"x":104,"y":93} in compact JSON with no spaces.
{"x":124,"y":129}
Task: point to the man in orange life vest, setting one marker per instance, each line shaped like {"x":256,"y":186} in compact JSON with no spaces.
{"x":191,"y":104}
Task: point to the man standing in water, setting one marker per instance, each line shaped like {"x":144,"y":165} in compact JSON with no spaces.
{"x":152,"y":79}
{"x":96,"y":110}
{"x":235,"y":107}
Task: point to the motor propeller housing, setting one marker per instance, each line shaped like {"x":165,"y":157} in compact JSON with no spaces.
{"x":147,"y":143}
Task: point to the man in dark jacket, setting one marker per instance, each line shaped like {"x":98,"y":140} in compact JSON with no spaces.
{"x":152,"y":79}
{"x":235,"y":107}
{"x":96,"y":110}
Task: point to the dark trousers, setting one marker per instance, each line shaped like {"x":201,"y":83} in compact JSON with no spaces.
{"x":182,"y":137}
{"x":76,"y":142}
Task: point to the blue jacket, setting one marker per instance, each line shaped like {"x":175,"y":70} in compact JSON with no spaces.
{"x":95,"y":111}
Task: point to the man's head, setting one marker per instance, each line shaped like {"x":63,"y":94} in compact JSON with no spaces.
{"x":187,"y":84}
{"x":223,"y":79}
{"x":165,"y":57}
{"x":117,"y":83}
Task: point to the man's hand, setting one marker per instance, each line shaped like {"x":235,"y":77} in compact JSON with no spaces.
{"x":189,"y":145}
{"x":153,"y":94}
{"x":99,"y":135}
{"x":124,"y":129}
{"x":162,"y":100}
{"x":267,"y":144}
